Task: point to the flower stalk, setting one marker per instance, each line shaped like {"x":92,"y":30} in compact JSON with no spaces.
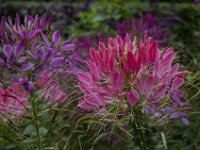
{"x":36,"y":125}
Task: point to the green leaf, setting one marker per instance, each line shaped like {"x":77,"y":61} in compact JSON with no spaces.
{"x":164,"y":140}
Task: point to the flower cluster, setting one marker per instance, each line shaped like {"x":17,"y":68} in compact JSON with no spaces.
{"x":27,"y":52}
{"x":147,"y":23}
{"x":15,"y":32}
{"x":137,"y":74}
{"x":30,"y":53}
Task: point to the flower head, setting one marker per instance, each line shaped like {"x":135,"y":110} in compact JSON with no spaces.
{"x":138,"y":73}
{"x":26,"y":31}
{"x":27,"y":50}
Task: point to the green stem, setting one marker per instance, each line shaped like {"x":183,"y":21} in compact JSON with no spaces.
{"x":36,"y":124}
{"x":140,"y":133}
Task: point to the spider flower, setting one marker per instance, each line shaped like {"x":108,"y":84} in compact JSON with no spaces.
{"x":136,"y":72}
{"x":13,"y":101}
{"x":27,"y":50}
{"x":26,"y":31}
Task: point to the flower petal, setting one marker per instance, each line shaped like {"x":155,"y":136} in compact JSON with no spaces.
{"x":19,"y":49}
{"x":22,"y":59}
{"x":56,"y":38}
{"x":133,"y":98}
{"x":7,"y":50}
{"x":58,"y":61}
{"x":67,"y":47}
{"x":26,"y":66}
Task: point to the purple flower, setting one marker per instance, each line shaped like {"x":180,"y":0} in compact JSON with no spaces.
{"x":197,"y":1}
{"x":23,"y":32}
{"x":28,"y":85}
{"x":147,"y":23}
{"x":90,"y":41}
{"x":28,"y":51}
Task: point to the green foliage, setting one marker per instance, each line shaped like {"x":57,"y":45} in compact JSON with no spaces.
{"x":102,"y":17}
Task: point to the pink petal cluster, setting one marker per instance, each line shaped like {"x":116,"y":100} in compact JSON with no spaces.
{"x":138,"y":72}
{"x":50,"y":89}
{"x":13,"y":101}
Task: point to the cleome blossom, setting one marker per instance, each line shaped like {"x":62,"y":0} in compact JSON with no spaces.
{"x":138,"y":74}
{"x":26,"y":32}
{"x":30,"y":48}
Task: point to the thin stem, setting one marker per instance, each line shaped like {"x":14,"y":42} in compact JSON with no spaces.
{"x":140,"y":133}
{"x":36,"y":124}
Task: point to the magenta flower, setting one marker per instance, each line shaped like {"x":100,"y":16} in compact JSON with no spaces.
{"x":140,"y":74}
{"x":83,"y":45}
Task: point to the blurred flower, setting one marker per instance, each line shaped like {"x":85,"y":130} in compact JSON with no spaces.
{"x":197,"y":1}
{"x":147,"y":23}
{"x":140,"y":73}
{"x":50,"y":89}
{"x":28,"y":85}
{"x":84,"y":43}
{"x":13,"y":101}
{"x":90,"y":41}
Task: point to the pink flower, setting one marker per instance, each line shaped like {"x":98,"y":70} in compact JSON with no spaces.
{"x":137,"y":72}
{"x":103,"y":83}
{"x":13,"y":101}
